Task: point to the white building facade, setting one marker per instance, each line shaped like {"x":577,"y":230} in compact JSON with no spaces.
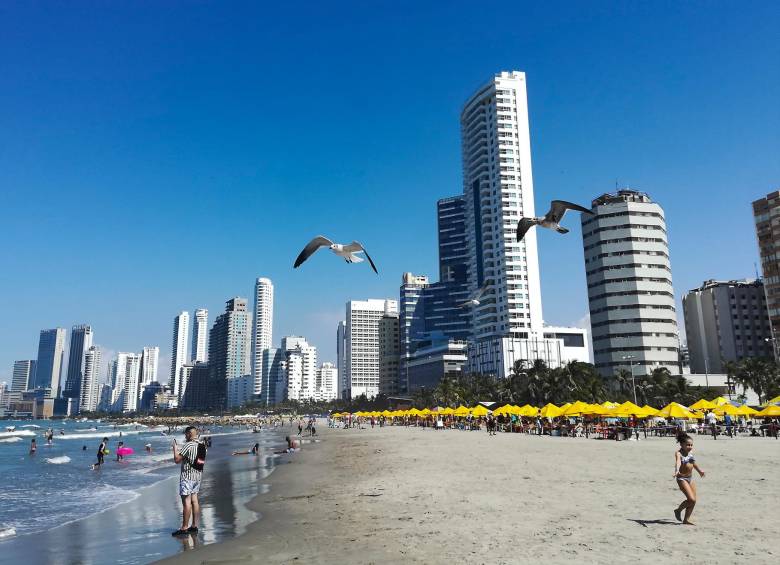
{"x":262,"y":330}
{"x":327,"y":383}
{"x":181,"y":328}
{"x":200,"y":336}
{"x":362,"y":344}
{"x":90,"y":385}
{"x":149,"y":364}
{"x":632,"y":310}
{"x":300,"y":366}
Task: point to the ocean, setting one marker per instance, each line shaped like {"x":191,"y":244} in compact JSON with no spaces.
{"x":55,"y":501}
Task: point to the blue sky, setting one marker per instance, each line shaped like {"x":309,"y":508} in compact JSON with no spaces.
{"x":156,"y":157}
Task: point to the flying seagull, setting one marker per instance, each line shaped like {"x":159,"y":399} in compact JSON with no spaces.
{"x":551,"y":220}
{"x":476,"y":296}
{"x":348,"y":251}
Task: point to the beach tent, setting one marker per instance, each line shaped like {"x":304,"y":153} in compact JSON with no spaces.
{"x":775,"y":400}
{"x":447,"y":411}
{"x":596,"y":410}
{"x":528,"y":411}
{"x":505,"y":409}
{"x":650,"y":411}
{"x":726,"y":409}
{"x":675,"y":410}
{"x":720,"y":401}
{"x":480,"y":410}
{"x":386,"y":413}
{"x":564,"y":406}
{"x":627,"y":409}
{"x":425,"y":412}
{"x":414,"y":412}
{"x":609,"y":404}
{"x":769,"y":411}
{"x":745,"y":410}
{"x":576,"y":409}
{"x":550,"y":411}
{"x":702,"y":405}
{"x":461,"y":411}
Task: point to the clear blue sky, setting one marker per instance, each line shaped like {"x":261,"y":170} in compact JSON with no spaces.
{"x":158,"y":156}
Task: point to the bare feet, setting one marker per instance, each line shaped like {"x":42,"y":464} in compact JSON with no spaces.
{"x":688,"y":523}
{"x":678,"y":515}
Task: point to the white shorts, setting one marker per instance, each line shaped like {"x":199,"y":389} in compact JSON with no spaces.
{"x":187,"y":487}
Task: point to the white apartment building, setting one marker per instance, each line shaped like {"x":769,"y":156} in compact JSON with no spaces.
{"x":301,"y":368}
{"x":181,"y":328}
{"x":125,"y":375}
{"x":362,"y":344}
{"x":240,"y":390}
{"x":149,"y":364}
{"x":184,"y":379}
{"x":632,"y":311}
{"x":341,"y":358}
{"x":262,"y":329}
{"x":90,"y":386}
{"x":327,"y":383}
{"x":24,"y":372}
{"x":200,"y":336}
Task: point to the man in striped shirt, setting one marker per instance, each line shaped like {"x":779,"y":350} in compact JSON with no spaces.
{"x":189,"y":481}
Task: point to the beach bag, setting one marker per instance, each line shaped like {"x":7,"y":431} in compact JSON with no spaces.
{"x":200,"y":458}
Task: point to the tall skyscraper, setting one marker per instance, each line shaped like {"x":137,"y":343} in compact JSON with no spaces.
{"x":229,"y":348}
{"x":90,"y":384}
{"x":48,"y":371}
{"x":149,"y":364}
{"x":200,"y":336}
{"x":274,"y":377}
{"x":23,"y":374}
{"x":132,"y":389}
{"x":262,"y":330}
{"x":632,"y":312}
{"x":498,"y":189}
{"x":362,"y":344}
{"x":765,"y":213}
{"x":80,"y":341}
{"x":726,"y":321}
{"x":389,"y":352}
{"x":181,"y":327}
{"x":341,"y":359}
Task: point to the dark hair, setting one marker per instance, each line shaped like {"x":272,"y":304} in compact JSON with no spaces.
{"x":188,"y":429}
{"x":682,"y":437}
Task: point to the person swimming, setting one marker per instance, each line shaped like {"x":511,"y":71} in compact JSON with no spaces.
{"x":684,"y":464}
{"x":254,"y":451}
{"x":33,"y":447}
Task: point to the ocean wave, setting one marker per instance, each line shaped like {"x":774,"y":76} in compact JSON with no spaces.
{"x":11,"y":440}
{"x":31,"y":426}
{"x":58,"y":460}
{"x":99,"y":435}
{"x":20,"y":433}
{"x":7,"y":533}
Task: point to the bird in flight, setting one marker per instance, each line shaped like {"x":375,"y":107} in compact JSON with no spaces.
{"x":551,"y":219}
{"x":348,"y":252}
{"x":476,"y":296}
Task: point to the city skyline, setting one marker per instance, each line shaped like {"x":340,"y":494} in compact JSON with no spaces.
{"x":632,"y":122}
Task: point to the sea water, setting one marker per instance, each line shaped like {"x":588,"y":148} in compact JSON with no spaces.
{"x":56,"y":486}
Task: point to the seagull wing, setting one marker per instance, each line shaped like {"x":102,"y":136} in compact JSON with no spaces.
{"x":357,"y":247}
{"x":558,"y":209}
{"x":311,"y":248}
{"x":481,"y":291}
{"x":523,"y":226}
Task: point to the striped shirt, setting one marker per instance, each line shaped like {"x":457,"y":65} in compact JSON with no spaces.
{"x":189,"y":451}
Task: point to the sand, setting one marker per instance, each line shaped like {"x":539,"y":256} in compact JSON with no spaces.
{"x":413,"y":495}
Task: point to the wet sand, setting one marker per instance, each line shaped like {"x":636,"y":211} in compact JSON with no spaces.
{"x":397,"y":495}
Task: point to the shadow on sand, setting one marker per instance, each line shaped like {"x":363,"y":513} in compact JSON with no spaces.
{"x":661,"y":522}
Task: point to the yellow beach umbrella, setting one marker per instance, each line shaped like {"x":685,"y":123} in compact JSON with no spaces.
{"x":650,"y":411}
{"x":720,"y":401}
{"x":675,"y":410}
{"x":461,"y":411}
{"x":386,"y":413}
{"x":550,"y":411}
{"x":745,"y":410}
{"x":414,"y":412}
{"x":702,"y":405}
{"x":726,"y":409}
{"x":425,"y":412}
{"x":564,"y":406}
{"x":480,"y":410}
{"x":595,"y":410}
{"x":528,"y":411}
{"x":335,"y":415}
{"x":505,"y":409}
{"x":775,"y":400}
{"x":626,"y":409}
{"x":609,"y":404}
{"x":769,"y":411}
{"x":576,"y":409}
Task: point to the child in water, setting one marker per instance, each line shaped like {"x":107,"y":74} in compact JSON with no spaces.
{"x":684,"y":464}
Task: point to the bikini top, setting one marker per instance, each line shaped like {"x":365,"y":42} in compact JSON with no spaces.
{"x":687,"y":458}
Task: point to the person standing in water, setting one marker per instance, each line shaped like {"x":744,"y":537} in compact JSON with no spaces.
{"x":101,"y":452}
{"x":684,"y":464}
{"x":189,"y":481}
{"x":33,"y":447}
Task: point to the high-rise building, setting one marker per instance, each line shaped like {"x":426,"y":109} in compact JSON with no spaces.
{"x":199,"y":393}
{"x":125,"y":379}
{"x":4,"y":395}
{"x":327,"y":382}
{"x":498,"y":189}
{"x":300,"y":365}
{"x":185,"y":374}
{"x":200,"y":336}
{"x":765,"y":214}
{"x":362,"y":344}
{"x":632,"y":313}
{"x":181,"y":327}
{"x":90,"y":384}
{"x":80,"y":341}
{"x":274,"y":378}
{"x":149,"y":363}
{"x":726,"y":321}
{"x":229,"y":349}
{"x":389,"y":352}
{"x":341,"y":359}
{"x":48,"y":371}
{"x":24,"y":372}
{"x":262,"y":330}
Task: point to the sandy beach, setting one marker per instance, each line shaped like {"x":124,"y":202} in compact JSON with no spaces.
{"x":396,"y":494}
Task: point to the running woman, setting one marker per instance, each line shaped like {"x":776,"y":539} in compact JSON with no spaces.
{"x":684,"y":464}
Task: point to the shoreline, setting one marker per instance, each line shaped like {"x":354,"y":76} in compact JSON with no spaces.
{"x":414,"y":495}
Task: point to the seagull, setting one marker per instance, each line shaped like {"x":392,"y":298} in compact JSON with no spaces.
{"x":476,"y":296}
{"x":348,"y":251}
{"x":551,"y":220}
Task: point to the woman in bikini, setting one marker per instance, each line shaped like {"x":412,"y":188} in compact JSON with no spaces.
{"x":684,"y":464}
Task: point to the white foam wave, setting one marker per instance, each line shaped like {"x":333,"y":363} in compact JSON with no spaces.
{"x":26,"y":433}
{"x":11,"y":440}
{"x":98,"y":435}
{"x":58,"y":460}
{"x":31,"y":426}
{"x":7,"y":533}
